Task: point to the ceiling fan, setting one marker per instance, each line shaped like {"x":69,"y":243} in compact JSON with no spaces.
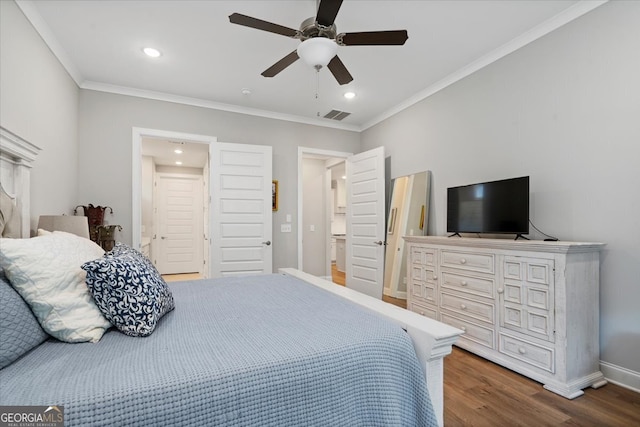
{"x":320,"y":40}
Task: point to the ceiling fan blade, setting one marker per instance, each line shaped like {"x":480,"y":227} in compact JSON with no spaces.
{"x":259,"y":24}
{"x":281,"y":65}
{"x":339,"y":71}
{"x":373,"y":38}
{"x":327,"y":11}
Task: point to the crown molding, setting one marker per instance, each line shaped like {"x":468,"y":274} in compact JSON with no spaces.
{"x":524,"y":39}
{"x":197,"y":102}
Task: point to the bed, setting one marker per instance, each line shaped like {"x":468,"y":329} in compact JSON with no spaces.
{"x":281,"y":349}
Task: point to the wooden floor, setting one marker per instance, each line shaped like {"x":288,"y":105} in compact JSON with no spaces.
{"x":480,"y":393}
{"x":181,"y":277}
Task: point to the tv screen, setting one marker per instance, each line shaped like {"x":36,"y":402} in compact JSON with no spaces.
{"x":489,"y":207}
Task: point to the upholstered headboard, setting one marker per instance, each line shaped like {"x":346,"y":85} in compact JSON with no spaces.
{"x":16,"y":158}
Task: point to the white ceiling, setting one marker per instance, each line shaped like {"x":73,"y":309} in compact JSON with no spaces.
{"x":207,"y":61}
{"x":194,"y":155}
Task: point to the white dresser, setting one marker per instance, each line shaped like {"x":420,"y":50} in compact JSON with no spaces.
{"x":531,"y":306}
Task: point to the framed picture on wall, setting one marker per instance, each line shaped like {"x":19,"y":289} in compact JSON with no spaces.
{"x":274,"y":195}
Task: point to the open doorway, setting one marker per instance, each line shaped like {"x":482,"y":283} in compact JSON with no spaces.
{"x":174,"y":190}
{"x":171,"y":201}
{"x":318,"y":247}
{"x":365,"y":216}
{"x":338,"y":221}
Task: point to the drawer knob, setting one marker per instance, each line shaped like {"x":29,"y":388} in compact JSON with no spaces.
{"x":522,"y":350}
{"x":463,"y":283}
{"x":463,"y":261}
{"x":422,"y":313}
{"x":464,"y":329}
{"x":435,"y":277}
{"x":500,"y":290}
{"x":462,"y":306}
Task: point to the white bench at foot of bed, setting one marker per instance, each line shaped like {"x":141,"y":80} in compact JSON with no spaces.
{"x":432,"y":340}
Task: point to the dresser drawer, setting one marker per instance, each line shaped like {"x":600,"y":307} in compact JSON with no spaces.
{"x":538,"y":323}
{"x":483,"y":263}
{"x":423,"y":290}
{"x":479,"y":310}
{"x":472,"y":332}
{"x":423,"y":274}
{"x":424,"y":310}
{"x":423,"y":256}
{"x":531,"y":270}
{"x":528,"y":352}
{"x":473,"y":285}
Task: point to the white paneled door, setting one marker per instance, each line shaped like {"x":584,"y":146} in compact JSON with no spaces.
{"x":365,"y":222}
{"x":180,"y":223}
{"x":241,"y":210}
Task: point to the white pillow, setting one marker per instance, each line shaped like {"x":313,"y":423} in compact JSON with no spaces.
{"x":46,"y":271}
{"x":43,"y":232}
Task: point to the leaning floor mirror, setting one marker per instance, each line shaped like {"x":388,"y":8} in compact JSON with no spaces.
{"x":408,"y":215}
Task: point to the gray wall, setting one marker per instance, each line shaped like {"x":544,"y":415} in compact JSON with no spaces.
{"x":39,"y":102}
{"x":105,"y":152}
{"x":564,"y":110}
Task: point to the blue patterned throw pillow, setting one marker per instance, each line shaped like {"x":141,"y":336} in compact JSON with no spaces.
{"x":121,"y":249}
{"x":128,"y":290}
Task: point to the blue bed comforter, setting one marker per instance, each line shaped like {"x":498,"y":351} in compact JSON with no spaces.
{"x":253,"y":351}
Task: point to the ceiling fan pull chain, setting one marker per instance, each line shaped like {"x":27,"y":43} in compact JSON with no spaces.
{"x":318,"y":91}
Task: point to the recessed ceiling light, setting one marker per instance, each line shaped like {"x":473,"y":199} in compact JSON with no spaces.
{"x":178,"y":163}
{"x":344,"y":176}
{"x":177,"y":151}
{"x":153,"y":53}
{"x":350,"y":95}
{"x":246,"y":91}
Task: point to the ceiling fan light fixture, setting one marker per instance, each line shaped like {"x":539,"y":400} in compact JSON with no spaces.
{"x":317,"y":51}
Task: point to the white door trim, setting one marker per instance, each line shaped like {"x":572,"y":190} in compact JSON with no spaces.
{"x":304,"y":152}
{"x":136,"y":176}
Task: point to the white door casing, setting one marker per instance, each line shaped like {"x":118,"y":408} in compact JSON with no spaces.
{"x":136,"y":175}
{"x":365,"y":222}
{"x":333,"y":157}
{"x":180,"y":223}
{"x":241,"y":214}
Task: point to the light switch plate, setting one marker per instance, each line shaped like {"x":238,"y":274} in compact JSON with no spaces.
{"x":285,"y":228}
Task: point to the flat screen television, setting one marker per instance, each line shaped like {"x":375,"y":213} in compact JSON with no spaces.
{"x":489,"y":207}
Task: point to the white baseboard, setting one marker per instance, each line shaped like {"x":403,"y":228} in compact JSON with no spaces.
{"x":621,"y":376}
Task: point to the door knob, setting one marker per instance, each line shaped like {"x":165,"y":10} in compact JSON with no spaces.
{"x":379,"y":243}
{"x":268,"y":243}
